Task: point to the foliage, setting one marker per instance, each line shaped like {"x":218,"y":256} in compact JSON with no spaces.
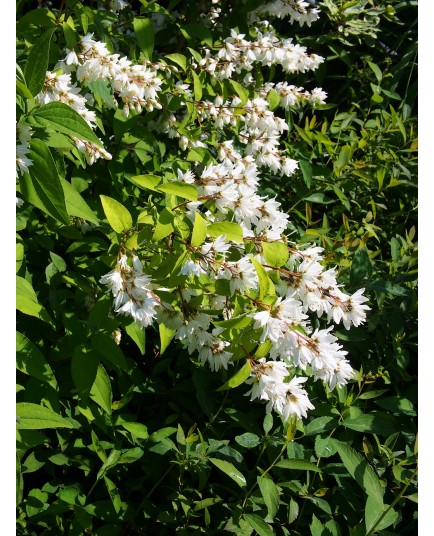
{"x":121,"y":428}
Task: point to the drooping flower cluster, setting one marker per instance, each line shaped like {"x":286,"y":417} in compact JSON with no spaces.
{"x":298,"y":11}
{"x":136,"y":85}
{"x":59,"y":88}
{"x":132,"y":292}
{"x":238,"y":55}
{"x":239,"y":272}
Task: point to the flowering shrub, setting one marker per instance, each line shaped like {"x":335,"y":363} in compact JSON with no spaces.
{"x":145,"y":146}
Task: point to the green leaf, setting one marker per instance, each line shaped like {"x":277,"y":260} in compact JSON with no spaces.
{"x":270,"y":493}
{"x":373,"y":512}
{"x":114,"y":494}
{"x":117,"y":215}
{"x":306,"y":170}
{"x":298,"y":465}
{"x":360,"y":470}
{"x":105,"y":345}
{"x":76,"y":205}
{"x":258,"y":524}
{"x":31,"y":361}
{"x":62,"y":118}
{"x":138,"y":335}
{"x":164,"y":226}
{"x":324,"y":447}
{"x":166,"y":335}
{"x":131,"y":455}
{"x":343,"y":158}
{"x":197,"y":86}
{"x":238,"y":322}
{"x":36,"y":417}
{"x":396,"y":404}
{"x":238,"y":378}
{"x":361,"y":267}
{"x":27,"y":301}
{"x":229,"y":470}
{"x":273,"y":99}
{"x":248,"y":440}
{"x":374,"y":423}
{"x":37,"y":62}
{"x":136,"y":429}
{"x":376,"y":70}
{"x":321,"y":424}
{"x":84,"y":366}
{"x":240,"y":91}
{"x":41,"y":186}
{"x":181,"y":189}
{"x":264,"y":280}
{"x":144,"y":35}
{"x":101,"y":391}
{"x":147,"y":182}
{"x":199,"y":230}
{"x":232,"y":231}
{"x":275,"y":253}
{"x":179,"y":59}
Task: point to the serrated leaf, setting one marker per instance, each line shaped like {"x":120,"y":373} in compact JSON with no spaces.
{"x":27,"y":301}
{"x":361,"y":267}
{"x":374,"y":423}
{"x":298,"y":465}
{"x":197,"y":86}
{"x":181,"y":189}
{"x":324,"y":447}
{"x":164,"y":225}
{"x":273,"y":99}
{"x":37,"y":62}
{"x":319,"y":425}
{"x":240,"y":91}
{"x":31,"y":361}
{"x":147,"y":182}
{"x":232,"y":231}
{"x":114,"y":494}
{"x":199,"y":230}
{"x":166,"y":335}
{"x":258,"y":524}
{"x":84,"y":367}
{"x":117,"y":215}
{"x":373,"y":512}
{"x":238,"y":378}
{"x":264,"y":280}
{"x":76,"y":205}
{"x":41,"y":186}
{"x":270,"y":493}
{"x":62,"y":118}
{"x":101,"y":391}
{"x":343,"y":158}
{"x":179,"y":59}
{"x":248,"y":440}
{"x":360,"y":470}
{"x":275,"y":253}
{"x":306,"y":170}
{"x":230,"y":470}
{"x":136,"y":429}
{"x":138,"y":335}
{"x":144,"y":32}
{"x":36,"y":417}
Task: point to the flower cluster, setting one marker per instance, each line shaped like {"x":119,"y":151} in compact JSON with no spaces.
{"x":238,"y":55}
{"x":136,"y":85}
{"x":58,"y":87}
{"x":132,"y":292}
{"x":298,"y":11}
{"x":243,"y":274}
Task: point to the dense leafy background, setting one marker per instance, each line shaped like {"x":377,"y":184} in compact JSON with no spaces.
{"x":140,"y":441}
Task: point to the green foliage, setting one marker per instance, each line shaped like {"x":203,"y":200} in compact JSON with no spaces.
{"x":136,"y":438}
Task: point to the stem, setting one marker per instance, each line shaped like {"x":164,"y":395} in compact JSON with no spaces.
{"x":397,"y":498}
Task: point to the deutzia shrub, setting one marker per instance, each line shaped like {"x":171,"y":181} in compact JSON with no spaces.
{"x":199,"y":250}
